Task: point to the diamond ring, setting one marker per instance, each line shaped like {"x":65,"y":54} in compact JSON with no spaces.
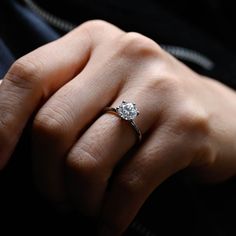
{"x":127,"y":111}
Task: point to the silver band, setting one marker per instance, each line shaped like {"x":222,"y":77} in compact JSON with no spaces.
{"x":120,"y":112}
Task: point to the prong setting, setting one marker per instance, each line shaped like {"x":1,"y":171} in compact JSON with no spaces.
{"x":127,"y":110}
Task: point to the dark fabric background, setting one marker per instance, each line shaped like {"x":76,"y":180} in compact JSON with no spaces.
{"x":177,"y":207}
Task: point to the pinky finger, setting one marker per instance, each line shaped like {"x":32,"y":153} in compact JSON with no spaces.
{"x":154,"y":162}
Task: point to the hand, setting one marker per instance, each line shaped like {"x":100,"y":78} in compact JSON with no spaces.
{"x":187,"y":121}
{"x":31,"y":80}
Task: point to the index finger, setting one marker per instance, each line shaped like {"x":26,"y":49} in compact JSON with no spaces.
{"x":34,"y":78}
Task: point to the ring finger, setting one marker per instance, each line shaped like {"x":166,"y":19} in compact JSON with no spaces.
{"x":92,"y":160}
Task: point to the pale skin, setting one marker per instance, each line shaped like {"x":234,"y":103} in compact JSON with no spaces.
{"x":187,"y":121}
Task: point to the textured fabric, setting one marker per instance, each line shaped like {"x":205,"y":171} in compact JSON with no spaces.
{"x":177,"y":207}
{"x":6,"y":58}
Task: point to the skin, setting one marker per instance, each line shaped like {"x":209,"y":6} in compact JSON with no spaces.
{"x":187,"y":121}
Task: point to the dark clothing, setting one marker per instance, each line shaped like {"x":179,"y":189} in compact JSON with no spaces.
{"x":176,"y":207}
{"x":209,"y":31}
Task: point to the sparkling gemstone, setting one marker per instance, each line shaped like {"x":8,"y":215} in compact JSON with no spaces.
{"x":127,"y":110}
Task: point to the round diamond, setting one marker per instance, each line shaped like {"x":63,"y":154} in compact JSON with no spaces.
{"x":127,"y":110}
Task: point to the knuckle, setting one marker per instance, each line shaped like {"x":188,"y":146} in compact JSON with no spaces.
{"x":193,"y":119}
{"x":100,"y":32}
{"x":24,"y":73}
{"x":133,"y":44}
{"x":84,"y":163}
{"x":51,"y":124}
{"x":95,"y":24}
{"x":164,"y":84}
{"x":92,"y":26}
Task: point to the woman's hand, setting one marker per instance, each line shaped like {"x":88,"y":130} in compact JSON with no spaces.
{"x":187,"y":121}
{"x":31,"y":80}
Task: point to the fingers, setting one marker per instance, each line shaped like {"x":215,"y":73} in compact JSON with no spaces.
{"x":61,"y":121}
{"x":70,"y":111}
{"x":65,"y":116}
{"x":155,"y":161}
{"x":92,"y":159}
{"x":32,"y":79}
{"x":75,"y":106}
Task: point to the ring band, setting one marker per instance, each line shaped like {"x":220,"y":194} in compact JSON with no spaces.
{"x":127,"y":111}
